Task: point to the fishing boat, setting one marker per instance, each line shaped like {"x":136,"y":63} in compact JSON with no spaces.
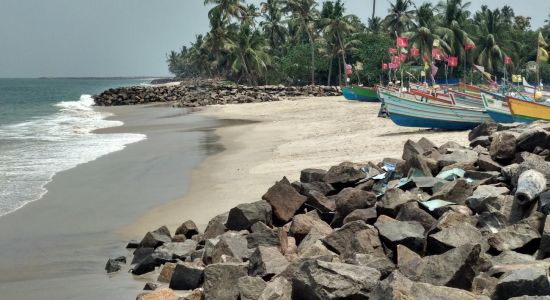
{"x":360,"y":93}
{"x":405,"y":111}
{"x":466,"y":99}
{"x":528,"y":111}
{"x":529,"y":89}
{"x":497,"y":107}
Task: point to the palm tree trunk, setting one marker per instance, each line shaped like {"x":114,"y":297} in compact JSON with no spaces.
{"x":343,"y":55}
{"x":339,"y":73}
{"x":312,"y":45}
{"x":373,"y":8}
{"x":330,"y":70}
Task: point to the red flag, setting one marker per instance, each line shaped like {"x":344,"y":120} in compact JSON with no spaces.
{"x":396,"y":60}
{"x":384,"y":66}
{"x":402,"y":57}
{"x":393,"y":66}
{"x":436,"y":54}
{"x":469,"y":46}
{"x":452,"y":61}
{"x":415,"y":52}
{"x":402,"y":42}
{"x":392,"y":50}
{"x":507,"y":60}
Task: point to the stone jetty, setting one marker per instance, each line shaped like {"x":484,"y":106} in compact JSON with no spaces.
{"x":440,"y":222}
{"x":195,"y":93}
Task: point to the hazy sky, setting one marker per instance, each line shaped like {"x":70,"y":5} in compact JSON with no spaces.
{"x":131,"y":37}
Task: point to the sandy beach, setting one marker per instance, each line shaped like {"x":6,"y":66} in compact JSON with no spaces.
{"x":288,"y":136}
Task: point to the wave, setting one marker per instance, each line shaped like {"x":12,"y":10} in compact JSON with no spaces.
{"x":32,"y":152}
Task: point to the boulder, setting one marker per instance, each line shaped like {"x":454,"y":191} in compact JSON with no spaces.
{"x":302,"y":224}
{"x":487,"y":128}
{"x":216,"y":226}
{"x":411,"y":149}
{"x":221,"y":280}
{"x":407,"y":233}
{"x":426,"y":144}
{"x":393,"y":199}
{"x":381,"y":263}
{"x":166,"y":272}
{"x":319,"y":186}
{"x":503,"y":146}
{"x":156,"y":238}
{"x":523,"y":282}
{"x":277,"y":289}
{"x":160,"y":293}
{"x":458,"y":156}
{"x":150,"y":286}
{"x":262,"y":235}
{"x":456,"y":191}
{"x":344,"y":175}
{"x":243,"y":216}
{"x":320,"y":202}
{"x":422,"y":165}
{"x":312,"y":175}
{"x":483,"y":141}
{"x":454,"y":237}
{"x":174,"y":250}
{"x":230,"y":244}
{"x":485,"y":195}
{"x":266,"y":262}
{"x":350,"y":199}
{"x":484,"y":284}
{"x":250,"y":288}
{"x":148,"y":264}
{"x":529,"y":139}
{"x":188,"y":229}
{"x":544,"y":248}
{"x":518,"y":237}
{"x":486,"y":163}
{"x":187,"y":276}
{"x":316,"y":279}
{"x":113,"y":264}
{"x":412,"y":212}
{"x":284,"y":200}
{"x":368,"y":215}
{"x":140,"y":254}
{"x":354,"y":237}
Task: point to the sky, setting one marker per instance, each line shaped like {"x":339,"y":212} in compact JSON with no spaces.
{"x":76,"y":38}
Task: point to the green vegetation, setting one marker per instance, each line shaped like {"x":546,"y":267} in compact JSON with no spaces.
{"x":298,"y":42}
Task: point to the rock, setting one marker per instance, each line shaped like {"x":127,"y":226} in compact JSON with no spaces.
{"x":188,"y":229}
{"x":160,"y":293}
{"x":243,"y":216}
{"x":456,"y":191}
{"x":312,"y":175}
{"x":421,"y":164}
{"x":113,"y":264}
{"x":368,"y":215}
{"x":455,"y":236}
{"x":150,"y":286}
{"x":187,"y":276}
{"x":174,"y":250}
{"x":486,"y":163}
{"x":350,"y":199}
{"x":320,"y":202}
{"x":306,"y":188}
{"x":528,"y":140}
{"x":166,"y":272}
{"x":524,"y":282}
{"x":302,"y":224}
{"x":530,"y":184}
{"x":407,"y":233}
{"x":515,"y":237}
{"x":216,"y":226}
{"x":484,"y":129}
{"x":179,"y":238}
{"x":412,"y":212}
{"x":133,"y":244}
{"x":250,"y":288}
{"x":316,"y":279}
{"x":544,"y":248}
{"x":411,"y":149}
{"x":503,"y":147}
{"x":262,"y":235}
{"x":381,"y":263}
{"x":221,"y":280}
{"x":284,"y":200}
{"x":485,"y":195}
{"x":230,"y":244}
{"x":156,"y":238}
{"x":426,"y":144}
{"x":140,"y":254}
{"x":398,"y":287}
{"x":510,"y":258}
{"x":343,"y":175}
{"x":458,"y":156}
{"x":393,"y":199}
{"x":277,"y":289}
{"x":354,"y":237}
{"x":148,"y":264}
{"x":196,"y":294}
{"x":266,"y":262}
{"x":484,"y":284}
{"x":483,"y":141}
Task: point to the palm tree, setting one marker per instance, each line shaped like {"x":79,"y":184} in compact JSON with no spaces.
{"x":249,"y":15}
{"x":199,"y":57}
{"x":375,"y":25}
{"x":399,"y":18}
{"x":303,"y":15}
{"x":338,"y":26}
{"x":226,"y":9}
{"x":250,"y":57}
{"x":273,"y":25}
{"x":453,"y":10}
{"x":492,"y":31}
{"x":425,"y":15}
{"x":219,"y":41}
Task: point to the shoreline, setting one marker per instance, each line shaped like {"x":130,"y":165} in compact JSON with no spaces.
{"x":286,"y":137}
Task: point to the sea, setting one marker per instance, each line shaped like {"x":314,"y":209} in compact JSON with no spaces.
{"x":47,"y":126}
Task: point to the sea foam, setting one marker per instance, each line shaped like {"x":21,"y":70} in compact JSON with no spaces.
{"x":32,"y":152}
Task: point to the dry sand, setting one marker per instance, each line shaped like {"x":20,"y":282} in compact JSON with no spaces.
{"x":290,"y":136}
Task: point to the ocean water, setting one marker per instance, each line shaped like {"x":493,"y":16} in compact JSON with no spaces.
{"x":46,"y":126}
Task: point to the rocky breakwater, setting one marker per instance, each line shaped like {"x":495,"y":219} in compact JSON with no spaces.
{"x":441,"y":222}
{"x":194,"y":93}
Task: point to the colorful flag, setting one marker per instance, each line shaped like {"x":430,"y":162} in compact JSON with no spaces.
{"x":402,"y":57}
{"x":396,"y":60}
{"x":542,"y":42}
{"x":507,"y":60}
{"x":436,"y":54}
{"x":517,"y":78}
{"x":384,"y":66}
{"x":435,"y":43}
{"x":469,"y":46}
{"x":422,"y":73}
{"x":392,"y":50}
{"x":452,"y":61}
{"x":402,"y":42}
{"x":542,"y":55}
{"x":349,"y":70}
{"x":415,"y":52}
{"x":393,"y":66}
{"x":359,"y":66}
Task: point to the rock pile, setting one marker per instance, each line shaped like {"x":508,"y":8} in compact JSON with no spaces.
{"x":193,"y":93}
{"x":442,"y":222}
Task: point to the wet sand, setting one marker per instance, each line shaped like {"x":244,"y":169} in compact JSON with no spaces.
{"x":57,"y":246}
{"x":287,"y":137}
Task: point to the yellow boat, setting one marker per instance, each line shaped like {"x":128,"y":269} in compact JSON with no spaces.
{"x":528,"y":111}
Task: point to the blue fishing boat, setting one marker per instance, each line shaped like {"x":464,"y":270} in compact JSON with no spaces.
{"x":360,"y":93}
{"x":497,"y":107}
{"x":410,"y":112}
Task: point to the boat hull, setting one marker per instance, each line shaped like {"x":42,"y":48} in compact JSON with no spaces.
{"x":497,"y":108}
{"x":358,"y":93}
{"x":526,"y":111}
{"x":410,"y":113}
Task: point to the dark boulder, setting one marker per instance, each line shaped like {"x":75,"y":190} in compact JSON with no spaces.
{"x":320,"y":202}
{"x":266,"y":262}
{"x":354,"y":237}
{"x":284,"y":200}
{"x":412,"y":212}
{"x":456,"y":191}
{"x":368,"y":215}
{"x":503,"y":146}
{"x":393,"y":199}
{"x":113,"y":264}
{"x":407,"y":233}
{"x":216,"y":226}
{"x":250,"y":288}
{"x":350,"y":199}
{"x":187,"y":276}
{"x":344,"y":175}
{"x":523,"y":282}
{"x":243,"y":216}
{"x":312,"y":175}
{"x":188,"y":229}
{"x":156,"y":238}
{"x":221,"y":280}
